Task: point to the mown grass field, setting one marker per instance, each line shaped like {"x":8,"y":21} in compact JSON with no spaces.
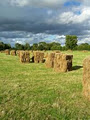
{"x":33,"y":92}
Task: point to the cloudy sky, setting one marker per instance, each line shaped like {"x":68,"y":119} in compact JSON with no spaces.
{"x":44,"y":20}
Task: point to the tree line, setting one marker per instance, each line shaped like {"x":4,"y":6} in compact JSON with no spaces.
{"x":4,"y":46}
{"x":70,"y":44}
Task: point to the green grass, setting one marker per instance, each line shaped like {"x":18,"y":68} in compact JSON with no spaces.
{"x":33,"y":92}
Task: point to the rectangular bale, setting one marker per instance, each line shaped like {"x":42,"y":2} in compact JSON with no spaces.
{"x":38,"y":57}
{"x":27,"y":56}
{"x":18,"y":53}
{"x":24,"y":57}
{"x":13,"y":52}
{"x":86,"y":77}
{"x":62,"y":62}
{"x":50,"y":60}
{"x":7,"y":52}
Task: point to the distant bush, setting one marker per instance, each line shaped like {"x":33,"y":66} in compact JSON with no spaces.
{"x":4,"y":46}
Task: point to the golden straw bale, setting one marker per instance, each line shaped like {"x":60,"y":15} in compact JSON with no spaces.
{"x":86,"y":77}
{"x":41,"y":57}
{"x":7,"y":52}
{"x":50,"y":60}
{"x":85,"y":51}
{"x":38,"y":57}
{"x":57,"y":51}
{"x":2,"y":51}
{"x":62,"y":62}
{"x":27,"y":56}
{"x":69,"y":51}
{"x":18,"y":53}
{"x":13,"y":52}
{"x":45,"y":55}
{"x":24,"y":57}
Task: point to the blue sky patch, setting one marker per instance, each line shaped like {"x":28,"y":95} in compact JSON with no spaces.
{"x":72,"y":3}
{"x":78,"y":12}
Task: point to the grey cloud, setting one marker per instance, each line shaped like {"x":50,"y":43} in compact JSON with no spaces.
{"x":33,"y":17}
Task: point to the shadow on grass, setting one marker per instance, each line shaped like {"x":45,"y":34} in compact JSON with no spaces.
{"x":76,"y":67}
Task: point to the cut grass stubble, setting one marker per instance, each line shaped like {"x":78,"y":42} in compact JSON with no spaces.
{"x":34,"y":92}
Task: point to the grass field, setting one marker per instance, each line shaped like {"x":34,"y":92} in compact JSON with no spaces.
{"x":33,"y":92}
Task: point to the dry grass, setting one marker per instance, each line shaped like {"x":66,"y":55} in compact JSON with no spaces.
{"x":33,"y":92}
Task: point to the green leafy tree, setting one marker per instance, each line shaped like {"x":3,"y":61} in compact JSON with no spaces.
{"x":27,"y":46}
{"x":40,"y":47}
{"x":19,"y":46}
{"x":4,"y":46}
{"x":35,"y":46}
{"x":55,"y":46}
{"x":83,"y":46}
{"x":43,"y":46}
{"x":71,"y":41}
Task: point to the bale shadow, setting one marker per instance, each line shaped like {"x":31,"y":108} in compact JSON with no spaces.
{"x":76,"y":67}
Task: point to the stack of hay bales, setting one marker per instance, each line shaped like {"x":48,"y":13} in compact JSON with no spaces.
{"x":86,"y":78}
{"x":7,"y":52}
{"x":18,"y":53}
{"x":13,"y":52}
{"x":24,"y":57}
{"x":38,"y":57}
{"x":50,"y":60}
{"x":62,"y":62}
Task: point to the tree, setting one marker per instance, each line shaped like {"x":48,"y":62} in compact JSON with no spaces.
{"x":83,"y":46}
{"x":27,"y":46}
{"x":1,"y":46}
{"x":71,"y":41}
{"x":19,"y":46}
{"x":43,"y":46}
{"x":55,"y":46}
{"x":4,"y":46}
{"x":35,"y":46}
{"x":40,"y":47}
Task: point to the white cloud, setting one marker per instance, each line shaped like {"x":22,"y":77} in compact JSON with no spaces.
{"x":84,"y":40}
{"x":23,"y":37}
{"x":37,"y":3}
{"x":72,"y":18}
{"x":38,"y":16}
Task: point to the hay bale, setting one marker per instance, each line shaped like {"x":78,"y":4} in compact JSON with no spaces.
{"x":69,"y":51}
{"x":50,"y":60}
{"x":85,"y":51}
{"x":13,"y":52}
{"x":86,"y":77}
{"x":41,"y":57}
{"x":57,"y":51}
{"x":62,"y":62}
{"x":38,"y":57}
{"x":7,"y":52}
{"x":2,"y":51}
{"x":18,"y":53}
{"x":24,"y":57}
{"x":27,"y":56}
{"x":45,"y":55}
